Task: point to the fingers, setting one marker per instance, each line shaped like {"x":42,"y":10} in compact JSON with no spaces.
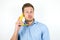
{"x":19,"y":23}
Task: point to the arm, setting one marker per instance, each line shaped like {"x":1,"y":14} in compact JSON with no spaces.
{"x":45,"y":34}
{"x":15,"y":36}
{"x":17,"y":28}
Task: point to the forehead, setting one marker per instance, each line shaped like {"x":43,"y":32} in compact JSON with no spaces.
{"x":28,"y":8}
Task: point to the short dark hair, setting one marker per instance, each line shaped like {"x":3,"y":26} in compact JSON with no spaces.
{"x":27,"y":5}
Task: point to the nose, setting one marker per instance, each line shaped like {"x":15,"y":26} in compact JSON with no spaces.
{"x":29,"y":16}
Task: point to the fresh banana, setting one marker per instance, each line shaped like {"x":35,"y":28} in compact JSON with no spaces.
{"x":21,"y":18}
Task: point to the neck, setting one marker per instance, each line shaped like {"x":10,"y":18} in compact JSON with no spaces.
{"x":29,"y":22}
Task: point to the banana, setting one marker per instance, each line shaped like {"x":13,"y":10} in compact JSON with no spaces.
{"x":21,"y":18}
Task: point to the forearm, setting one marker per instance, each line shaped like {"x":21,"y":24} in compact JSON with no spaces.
{"x":15,"y":36}
{"x":17,"y":28}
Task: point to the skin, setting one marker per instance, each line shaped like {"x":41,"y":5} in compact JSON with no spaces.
{"x":29,"y":16}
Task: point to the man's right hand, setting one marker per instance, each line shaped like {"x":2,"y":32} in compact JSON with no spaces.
{"x":18,"y":25}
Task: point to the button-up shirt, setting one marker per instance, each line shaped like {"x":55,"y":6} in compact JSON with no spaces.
{"x":35,"y":31}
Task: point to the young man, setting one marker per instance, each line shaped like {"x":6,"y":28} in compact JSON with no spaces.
{"x":34,"y":30}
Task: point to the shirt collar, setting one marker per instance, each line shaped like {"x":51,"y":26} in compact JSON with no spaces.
{"x":34,"y":22}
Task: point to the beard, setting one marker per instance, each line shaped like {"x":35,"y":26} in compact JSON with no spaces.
{"x":29,"y":20}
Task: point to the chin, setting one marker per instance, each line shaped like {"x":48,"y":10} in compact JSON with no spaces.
{"x":30,"y":19}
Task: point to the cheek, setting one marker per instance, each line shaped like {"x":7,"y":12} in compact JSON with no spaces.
{"x":32,"y":15}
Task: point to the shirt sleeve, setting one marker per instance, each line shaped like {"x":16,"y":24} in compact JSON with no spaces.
{"x":45,"y":33}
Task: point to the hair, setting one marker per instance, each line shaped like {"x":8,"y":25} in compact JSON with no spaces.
{"x":27,"y":5}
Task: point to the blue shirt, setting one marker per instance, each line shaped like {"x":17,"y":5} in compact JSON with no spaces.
{"x":36,"y":31}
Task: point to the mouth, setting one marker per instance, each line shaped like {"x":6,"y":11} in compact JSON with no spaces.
{"x":29,"y":16}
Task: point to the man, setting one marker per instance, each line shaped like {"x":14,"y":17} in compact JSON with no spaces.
{"x":33,"y":30}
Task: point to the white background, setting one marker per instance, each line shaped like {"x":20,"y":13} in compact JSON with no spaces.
{"x":46,"y":11}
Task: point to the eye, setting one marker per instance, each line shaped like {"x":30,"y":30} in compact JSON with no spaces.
{"x":31,"y":11}
{"x":26,"y":12}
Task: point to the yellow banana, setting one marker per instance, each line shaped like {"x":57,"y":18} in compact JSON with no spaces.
{"x":20,"y":18}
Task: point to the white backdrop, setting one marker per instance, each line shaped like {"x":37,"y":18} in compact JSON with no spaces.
{"x":46,"y":11}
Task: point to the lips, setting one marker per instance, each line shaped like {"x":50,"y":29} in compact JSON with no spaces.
{"x":29,"y":16}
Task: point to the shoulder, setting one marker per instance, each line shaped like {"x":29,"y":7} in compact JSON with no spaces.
{"x":42,"y":26}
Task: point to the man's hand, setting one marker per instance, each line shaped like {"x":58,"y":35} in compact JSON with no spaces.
{"x":17,"y":27}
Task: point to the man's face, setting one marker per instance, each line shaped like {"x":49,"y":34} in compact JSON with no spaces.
{"x":28,"y":13}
